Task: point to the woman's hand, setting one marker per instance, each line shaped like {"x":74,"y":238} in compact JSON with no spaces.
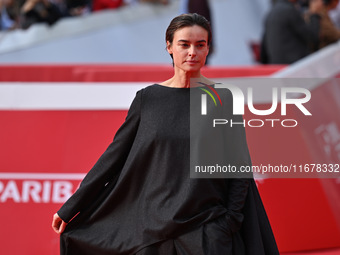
{"x":58,"y":224}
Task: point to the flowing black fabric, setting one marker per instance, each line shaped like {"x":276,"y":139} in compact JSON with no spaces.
{"x":139,"y":194}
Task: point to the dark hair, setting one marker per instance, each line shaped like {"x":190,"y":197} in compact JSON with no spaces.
{"x":187,"y":20}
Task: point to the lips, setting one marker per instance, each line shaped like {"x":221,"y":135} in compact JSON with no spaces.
{"x":192,"y":61}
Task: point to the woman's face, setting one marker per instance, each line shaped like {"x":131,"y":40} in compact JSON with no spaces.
{"x":189,"y":48}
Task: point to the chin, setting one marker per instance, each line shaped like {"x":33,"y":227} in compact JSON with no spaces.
{"x":192,"y":70}
{"x":195,"y":67}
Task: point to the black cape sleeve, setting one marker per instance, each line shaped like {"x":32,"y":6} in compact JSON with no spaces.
{"x":107,"y":167}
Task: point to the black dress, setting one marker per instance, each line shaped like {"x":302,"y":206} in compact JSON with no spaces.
{"x":139,"y":197}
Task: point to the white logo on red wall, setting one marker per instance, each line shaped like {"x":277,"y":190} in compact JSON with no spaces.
{"x":37,"y":187}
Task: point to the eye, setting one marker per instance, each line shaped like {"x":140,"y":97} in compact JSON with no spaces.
{"x":184,"y":45}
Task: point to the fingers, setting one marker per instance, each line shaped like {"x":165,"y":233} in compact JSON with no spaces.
{"x":58,"y":224}
{"x":62,"y":226}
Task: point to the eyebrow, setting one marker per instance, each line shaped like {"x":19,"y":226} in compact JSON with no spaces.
{"x":200,"y":41}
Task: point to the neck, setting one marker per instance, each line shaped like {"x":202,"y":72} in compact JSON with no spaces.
{"x":185,"y":79}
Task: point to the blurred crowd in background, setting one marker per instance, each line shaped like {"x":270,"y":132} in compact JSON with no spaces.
{"x":23,"y":13}
{"x":292,"y":29}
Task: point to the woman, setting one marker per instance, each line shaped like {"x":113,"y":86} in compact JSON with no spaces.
{"x":139,"y":197}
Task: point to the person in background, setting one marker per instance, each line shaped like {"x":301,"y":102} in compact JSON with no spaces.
{"x":78,"y":7}
{"x":38,"y":11}
{"x":61,"y":4}
{"x":329,"y":33}
{"x":9,"y":14}
{"x":287,"y":37}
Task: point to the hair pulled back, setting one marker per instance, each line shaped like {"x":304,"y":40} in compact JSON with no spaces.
{"x":187,"y":20}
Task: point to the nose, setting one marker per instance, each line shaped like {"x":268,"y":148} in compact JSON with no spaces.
{"x":192,"y":51}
